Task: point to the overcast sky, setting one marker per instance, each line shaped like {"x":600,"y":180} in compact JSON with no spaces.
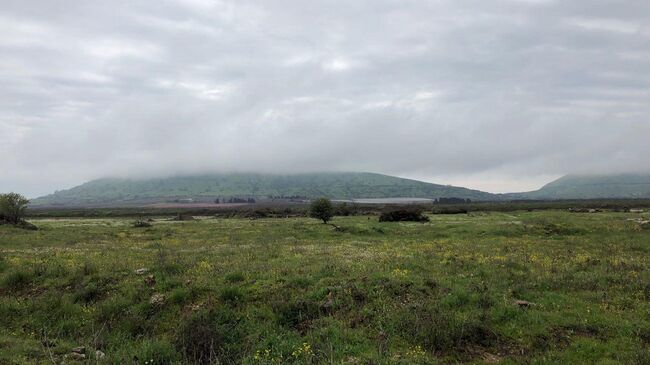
{"x":499,"y":95}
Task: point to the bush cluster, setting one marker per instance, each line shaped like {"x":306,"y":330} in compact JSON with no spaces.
{"x":403,"y":215}
{"x":12,"y":210}
{"x":449,"y":210}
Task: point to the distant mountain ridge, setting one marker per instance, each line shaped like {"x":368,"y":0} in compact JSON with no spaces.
{"x":345,"y":185}
{"x":624,"y":186}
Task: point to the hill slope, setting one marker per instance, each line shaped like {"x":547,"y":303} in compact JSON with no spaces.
{"x":592,"y":187}
{"x":259,"y":186}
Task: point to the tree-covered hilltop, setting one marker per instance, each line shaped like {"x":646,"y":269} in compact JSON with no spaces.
{"x":347,"y":185}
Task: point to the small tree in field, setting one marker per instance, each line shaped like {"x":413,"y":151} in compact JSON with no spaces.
{"x":12,"y":207}
{"x":321,"y":209}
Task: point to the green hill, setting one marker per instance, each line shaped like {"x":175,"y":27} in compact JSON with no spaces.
{"x":592,"y":187}
{"x":259,"y":186}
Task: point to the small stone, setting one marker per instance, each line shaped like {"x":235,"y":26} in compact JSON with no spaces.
{"x":150,"y":280}
{"x":329,"y":301}
{"x":524,"y":303}
{"x":142,"y":271}
{"x":99,"y":354}
{"x":157,"y":299}
{"x":79,"y":350}
{"x":76,"y":356}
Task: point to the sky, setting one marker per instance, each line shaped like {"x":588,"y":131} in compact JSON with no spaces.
{"x":498,"y":95}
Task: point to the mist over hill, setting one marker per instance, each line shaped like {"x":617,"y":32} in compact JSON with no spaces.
{"x":350,"y":185}
{"x":591,"y":187}
{"x":346,"y":185}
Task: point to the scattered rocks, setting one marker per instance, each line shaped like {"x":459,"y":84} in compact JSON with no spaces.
{"x":79,"y":354}
{"x":196,"y":307}
{"x":157,"y":299}
{"x":643,"y":223}
{"x":141,"y":224}
{"x":75,"y":356}
{"x":142,"y":271}
{"x":491,"y":358}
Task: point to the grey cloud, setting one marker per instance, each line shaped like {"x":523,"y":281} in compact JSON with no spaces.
{"x":453,"y":91}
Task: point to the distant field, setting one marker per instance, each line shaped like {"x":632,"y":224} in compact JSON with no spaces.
{"x":286,"y":208}
{"x":194,"y":205}
{"x":294,"y":291}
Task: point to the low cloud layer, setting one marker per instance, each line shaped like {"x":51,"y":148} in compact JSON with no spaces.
{"x":497,"y":95}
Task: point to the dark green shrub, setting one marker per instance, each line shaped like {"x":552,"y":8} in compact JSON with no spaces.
{"x":26,"y":225}
{"x":449,"y":210}
{"x":13,"y":207}
{"x":88,"y":294}
{"x":345,"y":209}
{"x":235,"y":277}
{"x":232,"y":295}
{"x":157,"y":353}
{"x":321,"y":209}
{"x":403,"y":215}
{"x":641,"y":356}
{"x":293,"y":314}
{"x":258,"y":213}
{"x":441,"y":330}
{"x":211,"y":337}
{"x":17,"y":280}
{"x":180,"y":295}
{"x":200,"y":339}
{"x":113,"y":308}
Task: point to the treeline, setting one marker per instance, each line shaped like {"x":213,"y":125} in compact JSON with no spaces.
{"x":235,"y":200}
{"x":292,"y":198}
{"x":284,"y":208}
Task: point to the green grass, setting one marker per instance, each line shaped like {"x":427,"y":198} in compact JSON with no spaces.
{"x":294,"y":291}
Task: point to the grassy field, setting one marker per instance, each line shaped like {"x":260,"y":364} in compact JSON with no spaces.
{"x":294,"y":291}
